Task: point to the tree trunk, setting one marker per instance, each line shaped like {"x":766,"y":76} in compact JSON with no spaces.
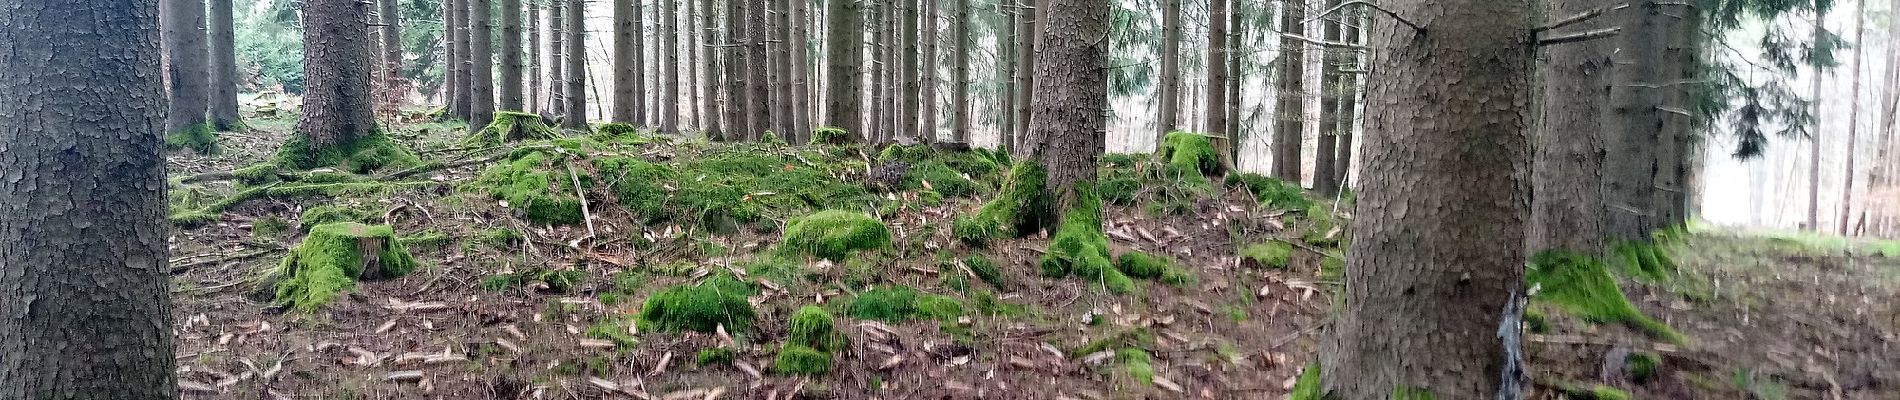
{"x":224,"y":72}
{"x":844,"y":37}
{"x":1168,"y":91}
{"x":1030,"y":25}
{"x":451,"y":52}
{"x":1567,"y":173}
{"x":880,"y":48}
{"x":757,"y":67}
{"x":1636,"y":124}
{"x":782,"y":64}
{"x":557,"y":57}
{"x":960,"y":71}
{"x":1216,"y":117}
{"x":801,"y":70}
{"x":337,"y":109}
{"x":1886,"y":165}
{"x":709,"y":78}
{"x":392,"y":38}
{"x":690,"y":86}
{"x":627,"y":65}
{"x":907,"y":74}
{"x":1669,"y":193}
{"x":1071,"y":93}
{"x":1814,"y":143}
{"x":1853,"y":117}
{"x":482,"y":53}
{"x":511,"y":64}
{"x":1236,"y":37}
{"x":1325,"y":178}
{"x":86,"y":304}
{"x":1348,"y":114}
{"x":669,"y":75}
{"x":534,"y":73}
{"x":739,"y":120}
{"x":186,"y":67}
{"x":1438,"y":253}
{"x":576,"y":59}
{"x":927,"y":128}
{"x":1290,"y":133}
{"x":1005,"y":29}
{"x":463,"y":63}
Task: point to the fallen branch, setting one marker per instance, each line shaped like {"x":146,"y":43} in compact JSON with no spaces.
{"x":1580,"y":37}
{"x":586,"y":215}
{"x":1579,"y":18}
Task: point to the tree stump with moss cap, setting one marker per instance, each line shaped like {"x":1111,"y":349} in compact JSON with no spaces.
{"x":511,"y":126}
{"x":332,"y":259}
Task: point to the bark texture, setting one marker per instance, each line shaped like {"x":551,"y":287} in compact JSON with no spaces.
{"x":1031,"y":27}
{"x":1214,"y":111}
{"x":669,"y":115}
{"x":801,"y":70}
{"x":481,"y":50}
{"x":224,"y":72}
{"x":1289,"y":133}
{"x":738,"y":123}
{"x":462,"y":63}
{"x":576,"y":109}
{"x":960,"y":71}
{"x":759,"y":110}
{"x":927,"y":69}
{"x":1168,"y":90}
{"x":627,"y":63}
{"x":534,"y":96}
{"x":782,"y":70}
{"x":1635,"y":128}
{"x":709,"y":74}
{"x":187,"y":67}
{"x":1567,"y":172}
{"x":1325,"y":178}
{"x":907,"y":74}
{"x":391,"y":14}
{"x":844,"y":37}
{"x":1071,"y":93}
{"x":557,"y":57}
{"x":511,"y":60}
{"x":1439,"y":252}
{"x":337,"y":63}
{"x":85,"y":296}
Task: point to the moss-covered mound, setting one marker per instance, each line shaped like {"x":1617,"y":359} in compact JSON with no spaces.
{"x":364,"y":155}
{"x":1081,"y":248}
{"x":800,"y":360}
{"x":1271,"y":192}
{"x":199,"y":138}
{"x":333,"y":257}
{"x":1141,"y":265}
{"x":327,"y":213}
{"x":1141,"y":180}
{"x":537,"y":184}
{"x":809,"y":343}
{"x":1192,"y":152}
{"x":835,"y":234}
{"x":1320,"y":227}
{"x":1266,"y":255}
{"x":830,"y":135}
{"x":700,"y":307}
{"x":896,"y":304}
{"x":1020,"y":210}
{"x":1582,"y":286}
{"x":511,"y":126}
{"x":616,"y":130}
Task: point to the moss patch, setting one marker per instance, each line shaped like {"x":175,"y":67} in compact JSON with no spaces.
{"x":801,"y":360}
{"x":984,"y":269}
{"x":812,"y":327}
{"x":367,"y":154}
{"x":830,"y":135}
{"x":715,"y":356}
{"x":1266,"y":255}
{"x":1136,"y":365}
{"x":1021,"y":209}
{"x":835,"y":234}
{"x":1080,"y":247}
{"x":510,"y":126}
{"x":1308,"y":386}
{"x":197,"y":137}
{"x":1582,"y":286}
{"x":1272,"y":192}
{"x":333,"y":257}
{"x":897,"y":304}
{"x":1192,"y":152}
{"x":700,"y":307}
{"x":1644,"y":261}
{"x":535,"y":183}
{"x":325,"y":214}
{"x":616,"y":130}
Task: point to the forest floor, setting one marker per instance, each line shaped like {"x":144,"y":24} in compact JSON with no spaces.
{"x":505,"y":308}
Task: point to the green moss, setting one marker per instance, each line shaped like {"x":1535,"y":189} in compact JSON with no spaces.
{"x":501,"y":237}
{"x":1641,"y":366}
{"x":1582,"y":286}
{"x":835,"y":234}
{"x":716,"y":356}
{"x":1081,"y":248}
{"x":939,"y":307}
{"x":637,"y":185}
{"x":984,"y":269}
{"x":616,"y":130}
{"x":830,"y":135}
{"x":269,"y":226}
{"x":1591,"y":392}
{"x":325,"y":214}
{"x":813,"y":328}
{"x":701,"y":307}
{"x":1267,"y":255}
{"x":1021,"y":209}
{"x":612,"y":330}
{"x":1136,"y":365}
{"x":912,"y":154}
{"x":1333,"y":267}
{"x":939,"y":177}
{"x":1178,"y":277}
{"x":1272,"y":192}
{"x":1141,"y":265}
{"x":888,"y":304}
{"x":1644,"y":261}
{"x":986,"y":303}
{"x":510,"y":126}
{"x":559,"y":281}
{"x":333,"y":257}
{"x":1320,"y":223}
{"x":537,"y":185}
{"x":800,"y":360}
{"x":1192,"y":152}
{"x":1535,"y":321}
{"x":364,"y":155}
{"x":197,"y":137}
{"x":1403,"y":392}
{"x":1308,"y":386}
{"x":1133,"y":337}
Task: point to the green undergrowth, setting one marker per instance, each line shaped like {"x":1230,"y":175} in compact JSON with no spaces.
{"x":896,"y":304}
{"x":613,"y":130}
{"x":558,"y":281}
{"x":1272,"y":192}
{"x":1189,"y":151}
{"x":1141,"y":265}
{"x":701,"y":307}
{"x":1020,"y":209}
{"x":363,"y":155}
{"x":192,"y":211}
{"x":1142,"y":180}
{"x":511,"y":126}
{"x":810,"y":340}
{"x":984,"y":269}
{"x":332,"y":258}
{"x":1645,"y":261}
{"x":1580,"y":391}
{"x":1582,"y":286}
{"x":1320,"y":225}
{"x":1274,"y":255}
{"x":1080,"y":247}
{"x":834,"y":234}
{"x":830,"y":135}
{"x":198,"y":137}
{"x":1307,"y":387}
{"x":716,"y":356}
{"x":330,"y":213}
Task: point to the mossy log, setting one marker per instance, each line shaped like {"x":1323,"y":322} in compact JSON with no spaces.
{"x":510,"y":126}
{"x":333,"y":258}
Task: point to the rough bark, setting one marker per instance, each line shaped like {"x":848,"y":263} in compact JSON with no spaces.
{"x":689,"y":106}
{"x":462,"y":63}
{"x":960,"y":71}
{"x":844,"y":37}
{"x":511,"y":62}
{"x":1071,"y":93}
{"x":1216,"y":87}
{"x":709,"y":74}
{"x":801,"y":70}
{"x":782,"y":64}
{"x":1567,"y":171}
{"x":907,"y":74}
{"x":1031,"y":26}
{"x":1348,"y":114}
{"x":1168,"y":89}
{"x":758,"y":111}
{"x":669,"y":115}
{"x":1439,"y":251}
{"x":627,"y":65}
{"x":1290,"y":132}
{"x":337,"y":109}
{"x":224,"y":72}
{"x":576,"y":109}
{"x":1636,"y":124}
{"x":187,"y":69}
{"x":880,"y":86}
{"x":85,"y":297}
{"x":1853,"y":116}
{"x":481,"y":50}
{"x":1325,"y":178}
{"x":1005,"y":28}
{"x":1236,"y":37}
{"x":557,"y":57}
{"x":392,"y":37}
{"x":738,"y":121}
{"x":534,"y":73}
{"x":451,"y":51}
{"x":1669,"y":194}
{"x":927,"y":128}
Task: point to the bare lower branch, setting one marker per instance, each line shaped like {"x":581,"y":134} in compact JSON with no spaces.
{"x":1342,"y":6}
{"x":1579,"y":18}
{"x":1580,"y":37}
{"x":1324,"y":43}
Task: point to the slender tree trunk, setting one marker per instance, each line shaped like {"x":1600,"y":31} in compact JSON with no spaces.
{"x":452,"y":52}
{"x":533,"y":97}
{"x":709,"y":78}
{"x":690,"y":87}
{"x":669,"y":74}
{"x":1567,"y":173}
{"x":1005,"y":29}
{"x":1168,"y":90}
{"x":782,"y":64}
{"x":1636,"y":124}
{"x":392,"y":38}
{"x":576,"y":117}
{"x":844,"y":37}
{"x":629,"y":63}
{"x":187,"y":67}
{"x":464,"y":64}
{"x":1290,"y":133}
{"x":1325,"y":178}
{"x":85,"y":302}
{"x":1814,"y":144}
{"x":1236,"y":37}
{"x":892,"y":84}
{"x":758,"y":67}
{"x":557,"y":57}
{"x":907,"y":74}
{"x":1030,"y":25}
{"x":481,"y":51}
{"x":511,"y":63}
{"x":224,"y":73}
{"x":1853,"y":116}
{"x":927,"y":128}
{"x":1348,"y":113}
{"x":1886,"y":165}
{"x":880,"y":48}
{"x":739,"y":121}
{"x":1071,"y":93}
{"x":1439,"y":252}
{"x":801,"y":70}
{"x":1216,"y":118}
{"x":960,"y":71}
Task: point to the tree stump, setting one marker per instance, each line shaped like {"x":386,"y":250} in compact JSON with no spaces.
{"x":510,"y":126}
{"x":332,"y":259}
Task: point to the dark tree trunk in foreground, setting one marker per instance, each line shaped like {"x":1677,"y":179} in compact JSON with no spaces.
{"x":511,"y":64}
{"x":187,"y":68}
{"x":782,"y":69}
{"x":337,"y":64}
{"x":557,"y":58}
{"x":391,"y":14}
{"x":628,"y":63}
{"x":1071,"y":93}
{"x":1031,"y":27}
{"x":85,"y":302}
{"x":1439,"y":250}
{"x":844,"y":39}
{"x":1567,"y":174}
{"x":911,"y":88}
{"x":576,"y":109}
{"x":1290,"y":133}
{"x":709,"y":76}
{"x":1215,"y":116}
{"x":960,"y":71}
{"x":462,"y":63}
{"x":1167,"y":119}
{"x":224,"y":72}
{"x":1636,"y":124}
{"x":481,"y":108}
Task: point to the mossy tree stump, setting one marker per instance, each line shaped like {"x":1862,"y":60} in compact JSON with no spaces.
{"x":511,"y":126}
{"x":333,"y":258}
{"x":1192,"y":152}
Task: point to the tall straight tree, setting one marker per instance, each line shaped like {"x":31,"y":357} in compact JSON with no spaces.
{"x":1439,"y":264}
{"x":1216,"y":87}
{"x":690,"y":86}
{"x":844,"y":42}
{"x":576,"y":59}
{"x":801,"y":69}
{"x":1168,"y":90}
{"x":511,"y":63}
{"x":738,"y":120}
{"x":451,"y":85}
{"x":757,"y":86}
{"x":627,"y":63}
{"x":1236,"y":35}
{"x":1005,"y":68}
{"x":224,"y":72}
{"x":1636,"y":123}
{"x":1567,"y":173}
{"x":391,"y":20}
{"x":1031,"y":27}
{"x":1814,"y":143}
{"x":907,"y":74}
{"x":337,"y":112}
{"x":709,"y":76}
{"x":481,"y":50}
{"x":960,"y":71}
{"x":669,"y":115}
{"x":1290,"y":133}
{"x":1349,"y":107}
{"x":1853,"y":118}
{"x":1325,"y":180}
{"x":534,"y":72}
{"x":1071,"y":96}
{"x":85,"y":305}
{"x":880,"y":47}
{"x":186,"y":67}
{"x":462,"y":63}
{"x":927,"y":68}
{"x":557,"y":57}
{"x":782,"y":70}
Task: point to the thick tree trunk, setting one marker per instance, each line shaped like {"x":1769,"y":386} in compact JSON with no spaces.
{"x":1886,"y":166}
{"x":627,"y":65}
{"x":801,"y":70}
{"x":481,"y":51}
{"x":511,"y":63}
{"x":187,"y":68}
{"x":337,"y":109}
{"x":759,"y":110}
{"x":1567,"y":173}
{"x":532,"y":100}
{"x":1071,"y":93}
{"x":1214,"y":109}
{"x":1438,"y":251}
{"x":1853,"y":117}
{"x":1325,"y":178}
{"x":1636,"y":123}
{"x":224,"y":72}
{"x":1290,"y":133}
{"x":844,"y":37}
{"x":85,"y":298}
{"x":576,"y":110}
{"x":464,"y":64}
{"x":960,"y":71}
{"x":907,"y":74}
{"x":709,"y":77}
{"x":927,"y":128}
{"x":1168,"y":91}
{"x":1669,"y":194}
{"x":392,"y":37}
{"x":782,"y":65}
{"x":557,"y":57}
{"x":1030,"y":25}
